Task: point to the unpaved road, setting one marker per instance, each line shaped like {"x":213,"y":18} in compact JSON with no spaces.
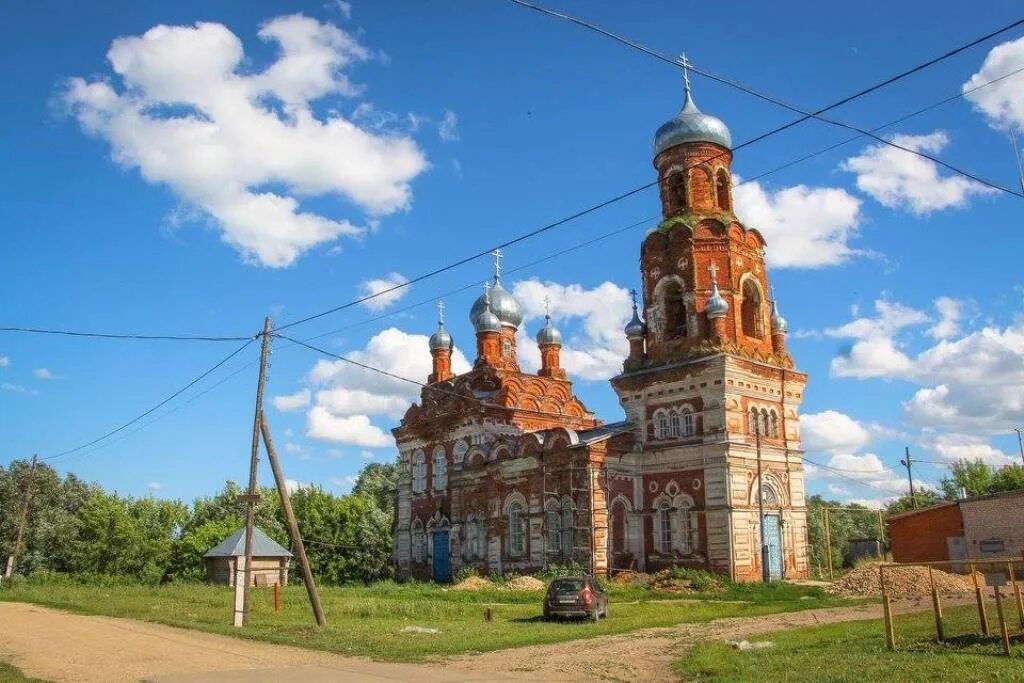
{"x":58,"y":646}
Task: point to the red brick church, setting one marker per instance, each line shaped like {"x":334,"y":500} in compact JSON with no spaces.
{"x":508,"y":471}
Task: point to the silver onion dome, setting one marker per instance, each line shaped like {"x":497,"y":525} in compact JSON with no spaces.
{"x":717,"y":307}
{"x":503,"y":305}
{"x":691,"y":125}
{"x":549,"y":334}
{"x":779,"y":323}
{"x":441,"y":340}
{"x":635,"y":327}
{"x":485,"y":320}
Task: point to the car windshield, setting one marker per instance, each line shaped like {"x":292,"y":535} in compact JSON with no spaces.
{"x":566,"y":585}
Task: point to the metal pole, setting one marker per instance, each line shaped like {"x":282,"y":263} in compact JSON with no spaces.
{"x":828,"y":545}
{"x":765,"y":575}
{"x":293,"y":525}
{"x":910,"y":477}
{"x":253,"y":493}
{"x":26,"y":496}
{"x":1020,"y":439}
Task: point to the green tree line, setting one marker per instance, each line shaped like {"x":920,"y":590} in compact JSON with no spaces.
{"x":79,"y":528}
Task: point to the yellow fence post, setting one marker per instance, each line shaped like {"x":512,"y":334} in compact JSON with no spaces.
{"x":890,"y":636}
{"x":937,"y":605}
{"x":981,"y":601}
{"x":1002,"y":622}
{"x":1016,"y":593}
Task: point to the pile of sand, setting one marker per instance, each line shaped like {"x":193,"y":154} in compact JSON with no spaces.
{"x":473,"y":583}
{"x":526,"y":583}
{"x":901,"y":582}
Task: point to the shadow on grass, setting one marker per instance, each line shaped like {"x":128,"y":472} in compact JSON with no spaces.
{"x":973,"y":643}
{"x":541,"y":619}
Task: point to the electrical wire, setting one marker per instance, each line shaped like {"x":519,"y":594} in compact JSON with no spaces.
{"x":106,"y":335}
{"x":159,"y":405}
{"x":808,"y":114}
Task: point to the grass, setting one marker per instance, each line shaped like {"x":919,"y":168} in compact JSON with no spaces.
{"x":856,"y":652}
{"x":367,"y":621}
{"x":11,"y":674}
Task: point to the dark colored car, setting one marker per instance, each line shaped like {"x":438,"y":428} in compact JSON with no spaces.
{"x":575,"y":596}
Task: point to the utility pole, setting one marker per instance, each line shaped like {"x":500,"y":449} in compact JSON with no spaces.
{"x":253,"y":493}
{"x":25,"y":498}
{"x":765,"y":573}
{"x":910,"y":477}
{"x":1020,"y":442}
{"x":293,"y":525}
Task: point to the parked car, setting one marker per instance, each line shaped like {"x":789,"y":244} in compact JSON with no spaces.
{"x":575,"y":596}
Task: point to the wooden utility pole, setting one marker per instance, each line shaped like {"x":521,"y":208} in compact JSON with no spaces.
{"x":26,"y":496}
{"x":253,"y":493}
{"x":293,"y":526}
{"x":828,"y":545}
{"x":906,"y":462}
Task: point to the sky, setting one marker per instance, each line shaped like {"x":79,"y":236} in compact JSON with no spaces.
{"x":189,"y":168}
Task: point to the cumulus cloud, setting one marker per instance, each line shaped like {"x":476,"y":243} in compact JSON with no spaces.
{"x":597,"y":352}
{"x":832,"y":432}
{"x":244,"y":146}
{"x":350,"y":396}
{"x":154,"y":486}
{"x":44,"y":374}
{"x":950,"y":313}
{"x":952,"y":447}
{"x":805,"y":227}
{"x":383,"y":290}
{"x":898,"y":179}
{"x":288,"y":402}
{"x":1001,"y":103}
{"x":871,"y":471}
{"x":875,"y":351}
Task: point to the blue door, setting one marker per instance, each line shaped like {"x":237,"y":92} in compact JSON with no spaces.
{"x":442,"y":566}
{"x":773,"y":539}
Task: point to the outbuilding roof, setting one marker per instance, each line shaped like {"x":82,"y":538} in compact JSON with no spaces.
{"x":234,"y":546}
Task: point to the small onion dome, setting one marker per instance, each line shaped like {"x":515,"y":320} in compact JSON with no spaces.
{"x":779,"y":324}
{"x":486,"y":321}
{"x":635,"y":327}
{"x":691,"y":125}
{"x":503,"y":305}
{"x":716,"y":306}
{"x":548,"y":334}
{"x":441,"y":340}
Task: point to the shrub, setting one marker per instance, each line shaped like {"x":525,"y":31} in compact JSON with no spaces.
{"x":465,"y":573}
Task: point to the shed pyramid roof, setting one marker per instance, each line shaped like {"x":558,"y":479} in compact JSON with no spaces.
{"x":234,"y":546}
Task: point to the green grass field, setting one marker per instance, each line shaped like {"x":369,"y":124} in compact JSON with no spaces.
{"x":368,"y":621}
{"x":855,"y":652}
{"x":10,"y":674}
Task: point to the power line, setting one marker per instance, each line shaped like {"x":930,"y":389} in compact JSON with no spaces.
{"x":807,"y":114}
{"x":159,"y":405}
{"x":106,"y":335}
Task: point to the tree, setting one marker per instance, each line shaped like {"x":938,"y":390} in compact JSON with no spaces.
{"x":922,"y":497}
{"x":378,"y":480}
{"x":846,"y":522}
{"x":977,"y":478}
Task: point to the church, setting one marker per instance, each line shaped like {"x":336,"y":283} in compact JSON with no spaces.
{"x":508,"y":471}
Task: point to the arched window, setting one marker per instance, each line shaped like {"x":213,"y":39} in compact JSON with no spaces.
{"x":773,"y":424}
{"x":665,"y":528}
{"x":618,"y":526}
{"x":765,"y":425}
{"x":419,"y":472}
{"x":440,"y":469}
{"x":419,"y":542}
{"x":554,"y":528}
{"x":722,"y":190}
{"x":687,"y":423}
{"x":753,"y":323}
{"x":661,"y":431}
{"x":506,"y":348}
{"x":684,"y":513}
{"x":674,"y":428}
{"x":567,"y":530}
{"x":754,"y":426}
{"x":676,"y":184}
{"x":516,"y":533}
{"x":675,"y":311}
{"x":474,"y":537}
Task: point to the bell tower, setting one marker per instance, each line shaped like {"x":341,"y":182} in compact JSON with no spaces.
{"x":709,"y":384}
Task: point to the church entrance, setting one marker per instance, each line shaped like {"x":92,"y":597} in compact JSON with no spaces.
{"x":773,"y":539}
{"x":441,"y":568}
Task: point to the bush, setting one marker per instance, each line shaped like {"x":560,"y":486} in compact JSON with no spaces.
{"x":465,"y":573}
{"x":569,"y":569}
{"x":700,"y":580}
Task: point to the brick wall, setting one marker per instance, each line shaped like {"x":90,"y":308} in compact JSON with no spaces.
{"x":994,"y":526}
{"x":921,"y":536}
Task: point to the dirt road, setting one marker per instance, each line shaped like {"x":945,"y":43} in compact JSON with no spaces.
{"x":59,"y":646}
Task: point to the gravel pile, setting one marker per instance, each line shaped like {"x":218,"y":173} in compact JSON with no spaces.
{"x":526,"y":583}
{"x":900,"y":582}
{"x":473,"y":583}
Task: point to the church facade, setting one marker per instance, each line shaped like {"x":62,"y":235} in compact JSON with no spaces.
{"x":508,"y":471}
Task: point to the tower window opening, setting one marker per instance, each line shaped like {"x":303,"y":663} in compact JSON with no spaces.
{"x":722,"y":190}
{"x":687,"y":423}
{"x":753,"y":323}
{"x":675,"y":311}
{"x":675,"y":430}
{"x":677,"y":190}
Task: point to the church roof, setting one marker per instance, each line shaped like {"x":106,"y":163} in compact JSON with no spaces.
{"x":234,"y":546}
{"x":589,"y":436}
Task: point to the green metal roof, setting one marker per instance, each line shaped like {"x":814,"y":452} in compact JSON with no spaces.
{"x":234,"y":546}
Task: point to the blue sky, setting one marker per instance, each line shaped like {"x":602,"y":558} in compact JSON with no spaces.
{"x":402,"y":136}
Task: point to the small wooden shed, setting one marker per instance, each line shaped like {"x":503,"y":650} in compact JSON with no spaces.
{"x":269,"y":560}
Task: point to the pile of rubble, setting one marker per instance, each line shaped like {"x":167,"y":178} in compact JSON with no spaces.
{"x":473,"y":583}
{"x":526,"y":583}
{"x":900,"y":582}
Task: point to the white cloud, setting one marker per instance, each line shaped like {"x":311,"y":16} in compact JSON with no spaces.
{"x":832,"y":432}
{"x":16,"y":388}
{"x":346,"y":482}
{"x":869,"y":470}
{"x":154,"y":486}
{"x":1001,"y":103}
{"x":805,"y":227}
{"x":341,"y":7}
{"x":288,"y":402}
{"x":245,"y":146}
{"x":367,"y":455}
{"x":952,"y":447}
{"x":899,"y":179}
{"x":342,"y":410}
{"x":595,"y":354}
{"x":4,"y":361}
{"x":875,"y":353}
{"x":293,"y":485}
{"x":384,"y":284}
{"x":950,"y":312}
{"x":44,"y":374}
{"x":448,"y":129}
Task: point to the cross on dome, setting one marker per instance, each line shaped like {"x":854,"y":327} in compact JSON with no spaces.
{"x":547,"y":306}
{"x":713,"y":269}
{"x":440,"y":312}
{"x":685,"y":63}
{"x":497,"y":254}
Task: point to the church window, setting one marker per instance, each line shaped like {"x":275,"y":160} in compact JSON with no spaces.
{"x":664,"y":528}
{"x":675,"y":311}
{"x":516,"y":533}
{"x":755,"y":426}
{"x":419,"y":542}
{"x":661,"y":430}
{"x":419,"y":472}
{"x":567,"y":530}
{"x":506,"y":348}
{"x":554,"y":538}
{"x":684,"y":514}
{"x":765,"y":425}
{"x":677,"y":190}
{"x":440,"y":469}
{"x":773,"y":425}
{"x":474,"y":537}
{"x":722,"y":190}
{"x":674,"y":427}
{"x":753,"y":323}
{"x":618,"y":527}
{"x":687,"y":423}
